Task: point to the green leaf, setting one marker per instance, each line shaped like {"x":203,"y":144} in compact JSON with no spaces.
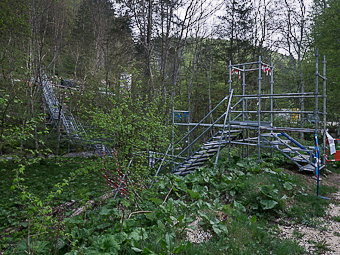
{"x":168,"y":239}
{"x":151,"y":216}
{"x":203,"y":215}
{"x":220,"y":228}
{"x":136,"y":249}
{"x":193,"y":194}
{"x":216,"y":229}
{"x":226,"y":209}
{"x":156,"y":200}
{"x":180,"y":218}
{"x":137,"y":235}
{"x":288,"y":186}
{"x":268,"y":204}
{"x":239,"y":206}
{"x":147,"y":251}
{"x":121,"y":237}
{"x":240,"y":164}
{"x":269,"y":191}
{"x":253,"y":219}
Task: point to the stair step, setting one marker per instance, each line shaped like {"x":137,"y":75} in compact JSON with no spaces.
{"x":231,"y":131}
{"x":200,"y":155}
{"x":270,"y":134}
{"x":250,"y":123}
{"x":308,"y":167}
{"x":203,"y":153}
{"x":206,"y":149}
{"x":193,"y":164}
{"x":283,"y":142}
{"x":250,"y":139}
{"x":219,"y":137}
{"x":213,"y":149}
{"x":186,"y":168}
{"x":198,"y":159}
{"x":210,"y":151}
{"x":214,"y":143}
{"x":294,"y":149}
{"x":302,"y":158}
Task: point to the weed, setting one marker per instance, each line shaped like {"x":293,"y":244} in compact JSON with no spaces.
{"x":336,"y":218}
{"x":298,"y":234}
{"x":306,"y":207}
{"x":325,"y":190}
{"x":334,"y":167}
{"x":321,"y":247}
{"x":238,"y":225}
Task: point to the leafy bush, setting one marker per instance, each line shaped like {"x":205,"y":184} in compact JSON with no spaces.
{"x":230,"y":203}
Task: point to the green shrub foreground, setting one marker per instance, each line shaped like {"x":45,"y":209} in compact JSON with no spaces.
{"x":235,"y":203}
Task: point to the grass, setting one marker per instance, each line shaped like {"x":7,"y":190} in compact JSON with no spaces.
{"x":321,"y":247}
{"x":334,"y":167}
{"x":247,"y":237}
{"x":257,"y":194}
{"x":297,"y":234}
{"x":40,"y":178}
{"x":243,"y":238}
{"x":325,"y":190}
{"x":306,"y":207}
{"x":336,"y":218}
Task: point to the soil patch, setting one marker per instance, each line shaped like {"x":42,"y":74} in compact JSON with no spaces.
{"x":324,"y":238}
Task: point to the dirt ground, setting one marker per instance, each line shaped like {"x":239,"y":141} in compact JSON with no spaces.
{"x":324,"y":238}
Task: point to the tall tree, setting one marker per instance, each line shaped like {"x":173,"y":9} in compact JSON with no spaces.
{"x":294,"y":32}
{"x":237,"y":27}
{"x":326,"y":37}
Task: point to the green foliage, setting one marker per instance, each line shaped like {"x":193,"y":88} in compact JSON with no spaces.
{"x":326,"y":37}
{"x":32,"y":196}
{"x":233,"y":203}
{"x":306,"y":207}
{"x":131,"y":125}
{"x":334,"y":167}
{"x":336,"y":218}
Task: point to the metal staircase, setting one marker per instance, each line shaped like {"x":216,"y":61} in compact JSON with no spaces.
{"x":205,"y":146}
{"x":208,"y":149}
{"x":72,"y":128}
{"x":302,"y":156}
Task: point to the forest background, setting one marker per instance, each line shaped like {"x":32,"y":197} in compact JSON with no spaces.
{"x":121,"y":67}
{"x":134,"y":61}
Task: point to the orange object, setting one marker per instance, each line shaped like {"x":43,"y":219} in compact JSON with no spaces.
{"x":336,"y":155}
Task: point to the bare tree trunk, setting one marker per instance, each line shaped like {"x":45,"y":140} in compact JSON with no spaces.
{"x":209,"y":72}
{"x":189,"y":86}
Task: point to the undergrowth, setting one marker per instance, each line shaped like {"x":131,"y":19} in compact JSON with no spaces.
{"x":234,"y":204}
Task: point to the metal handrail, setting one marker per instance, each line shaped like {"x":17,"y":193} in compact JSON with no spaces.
{"x":225,"y":120}
{"x":206,"y":130}
{"x":239,"y":101}
{"x":201,"y":121}
{"x":160,"y":166}
{"x":203,"y":133}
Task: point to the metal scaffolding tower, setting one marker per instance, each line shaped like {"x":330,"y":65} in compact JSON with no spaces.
{"x":248,"y":120}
